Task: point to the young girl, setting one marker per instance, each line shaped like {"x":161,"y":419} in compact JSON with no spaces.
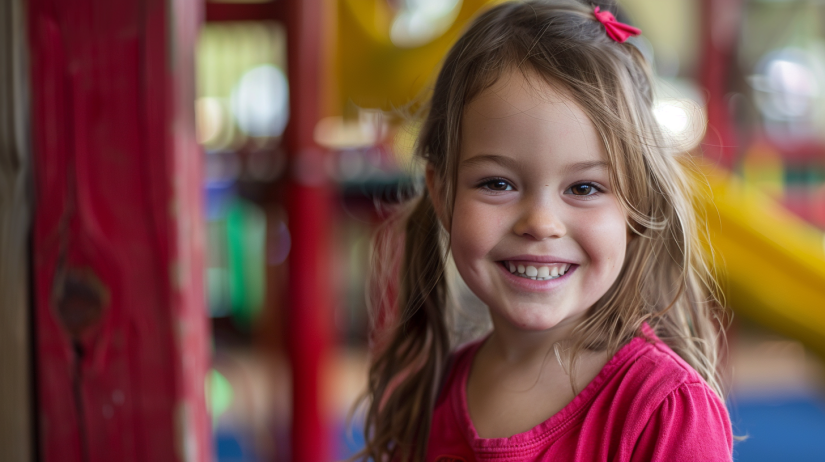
{"x":551,"y":187}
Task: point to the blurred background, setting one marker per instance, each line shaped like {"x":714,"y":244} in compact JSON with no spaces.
{"x":189,"y":190}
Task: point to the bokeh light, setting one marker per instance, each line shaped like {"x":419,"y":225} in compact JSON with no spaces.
{"x":682,"y":121}
{"x":260,"y":102}
{"x":785,"y":85}
{"x":420,"y":21}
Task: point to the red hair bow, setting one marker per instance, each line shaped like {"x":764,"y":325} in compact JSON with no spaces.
{"x":616,"y":30}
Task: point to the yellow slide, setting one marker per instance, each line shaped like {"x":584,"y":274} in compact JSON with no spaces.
{"x":773,"y":263}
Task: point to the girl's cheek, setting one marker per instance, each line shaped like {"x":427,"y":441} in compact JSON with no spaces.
{"x":605,"y":239}
{"x":475,"y":231}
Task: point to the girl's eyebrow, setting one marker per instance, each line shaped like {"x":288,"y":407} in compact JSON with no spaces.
{"x":581,"y":166}
{"x":504,"y":161}
{"x":513,"y":164}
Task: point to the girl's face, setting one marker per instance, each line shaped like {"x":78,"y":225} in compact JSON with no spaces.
{"x":537,"y":232}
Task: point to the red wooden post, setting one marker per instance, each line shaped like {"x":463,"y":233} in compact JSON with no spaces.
{"x":309,"y":334}
{"x":121,"y":326}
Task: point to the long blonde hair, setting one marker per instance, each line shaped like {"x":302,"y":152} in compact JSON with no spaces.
{"x":666,"y":279}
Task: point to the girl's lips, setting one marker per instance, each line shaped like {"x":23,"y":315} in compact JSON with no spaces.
{"x":531,"y":285}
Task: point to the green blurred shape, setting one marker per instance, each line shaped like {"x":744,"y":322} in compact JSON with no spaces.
{"x":246,"y":261}
{"x":217,"y":279}
{"x":219,"y":391}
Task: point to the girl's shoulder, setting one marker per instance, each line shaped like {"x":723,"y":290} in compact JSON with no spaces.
{"x":648,"y":404}
{"x":661,"y":404}
{"x":652,"y":363}
{"x":647,"y":370}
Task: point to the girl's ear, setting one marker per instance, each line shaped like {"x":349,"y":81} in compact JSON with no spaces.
{"x":435,"y":189}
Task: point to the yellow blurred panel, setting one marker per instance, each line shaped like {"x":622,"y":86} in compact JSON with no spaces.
{"x":773,"y":261}
{"x":375,"y":73}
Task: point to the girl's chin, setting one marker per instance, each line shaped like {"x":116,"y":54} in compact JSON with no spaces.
{"x":530,"y":323}
{"x":536,"y":327}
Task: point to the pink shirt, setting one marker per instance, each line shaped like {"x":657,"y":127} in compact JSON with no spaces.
{"x":646,"y":404}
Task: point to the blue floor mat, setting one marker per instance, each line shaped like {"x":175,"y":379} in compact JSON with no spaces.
{"x":779,"y":428}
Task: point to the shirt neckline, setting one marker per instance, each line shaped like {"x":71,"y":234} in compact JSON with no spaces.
{"x":556,"y":424}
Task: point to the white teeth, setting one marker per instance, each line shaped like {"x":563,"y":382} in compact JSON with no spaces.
{"x":542,"y":273}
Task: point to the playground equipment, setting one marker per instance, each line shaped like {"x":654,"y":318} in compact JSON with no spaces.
{"x":772,"y":262}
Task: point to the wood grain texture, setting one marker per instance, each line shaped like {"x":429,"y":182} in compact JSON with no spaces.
{"x":121,"y":326}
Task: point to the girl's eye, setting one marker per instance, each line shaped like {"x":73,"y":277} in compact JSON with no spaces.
{"x":497,"y":185}
{"x":583,"y":189}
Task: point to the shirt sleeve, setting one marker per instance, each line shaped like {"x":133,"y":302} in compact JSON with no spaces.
{"x":691,"y":424}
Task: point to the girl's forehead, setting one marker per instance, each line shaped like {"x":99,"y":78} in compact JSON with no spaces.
{"x":519,"y":115}
{"x":517,"y":92}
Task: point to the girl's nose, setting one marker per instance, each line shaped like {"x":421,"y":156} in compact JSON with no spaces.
{"x":540,"y":223}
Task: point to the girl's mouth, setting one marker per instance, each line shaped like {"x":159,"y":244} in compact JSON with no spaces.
{"x":536,"y":271}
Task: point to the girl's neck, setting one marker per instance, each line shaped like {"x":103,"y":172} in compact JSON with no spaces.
{"x":509,"y":344}
{"x":516,"y":382}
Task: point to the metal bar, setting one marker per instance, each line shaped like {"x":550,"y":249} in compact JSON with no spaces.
{"x":720,"y":22}
{"x":219,"y":12}
{"x":309,"y":335}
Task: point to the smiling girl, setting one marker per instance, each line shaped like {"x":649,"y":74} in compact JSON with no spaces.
{"x":550,"y":186}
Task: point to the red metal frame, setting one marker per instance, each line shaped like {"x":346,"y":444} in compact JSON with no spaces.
{"x":219,"y":12}
{"x":122,"y":334}
{"x":309,"y":335}
{"x":719,"y":23}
